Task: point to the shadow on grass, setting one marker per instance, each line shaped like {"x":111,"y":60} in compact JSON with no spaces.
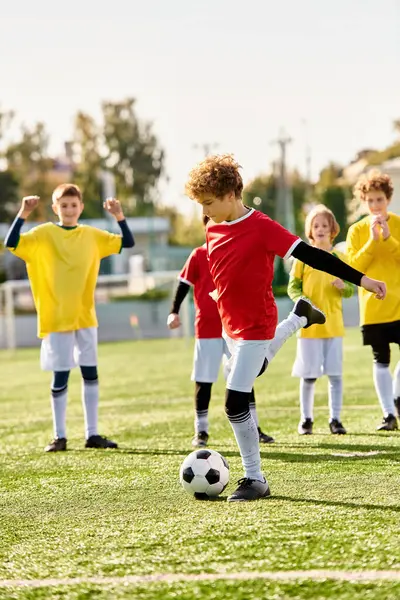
{"x":337,"y":503}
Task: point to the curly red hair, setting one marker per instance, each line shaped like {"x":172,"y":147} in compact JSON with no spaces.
{"x":373,"y":181}
{"x":216,"y":175}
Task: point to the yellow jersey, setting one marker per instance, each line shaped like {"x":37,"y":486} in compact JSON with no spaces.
{"x":63,"y":265}
{"x":317,"y":286}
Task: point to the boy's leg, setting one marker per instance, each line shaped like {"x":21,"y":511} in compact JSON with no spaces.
{"x":86,"y":355}
{"x":263,"y":438}
{"x":307,"y":387}
{"x":207,"y":358}
{"x":333,"y":366}
{"x":384,"y":386}
{"x":303,"y":314}
{"x":247,"y":360}
{"x":57,"y":355}
{"x":59,"y":396}
{"x":202,"y":396}
{"x":396,"y":388}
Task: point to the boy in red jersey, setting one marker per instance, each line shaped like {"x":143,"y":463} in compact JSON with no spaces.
{"x":210,"y":347}
{"x":242,"y":244}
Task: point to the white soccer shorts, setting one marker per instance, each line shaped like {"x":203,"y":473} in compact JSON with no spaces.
{"x":318,"y":356}
{"x":245,"y":363}
{"x":62,"y":351}
{"x":208,"y":354}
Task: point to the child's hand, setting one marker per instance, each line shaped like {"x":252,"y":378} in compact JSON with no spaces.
{"x":338,"y":283}
{"x":29,"y":203}
{"x":375,"y":227}
{"x":173,"y":321}
{"x":373,"y":285}
{"x":113,"y":206}
{"x":385,"y":229}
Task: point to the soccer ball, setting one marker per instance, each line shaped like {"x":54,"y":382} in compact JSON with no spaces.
{"x":204,"y":474}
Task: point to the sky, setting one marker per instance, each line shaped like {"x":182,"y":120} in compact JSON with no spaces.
{"x":228,"y":73}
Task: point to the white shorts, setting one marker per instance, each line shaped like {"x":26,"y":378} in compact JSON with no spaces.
{"x":246,"y":361}
{"x":66,"y":350}
{"x":316,"y":357}
{"x":208,"y":354}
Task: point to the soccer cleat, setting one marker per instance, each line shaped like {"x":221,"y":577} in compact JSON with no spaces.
{"x":305,"y":427}
{"x":250,"y":489}
{"x":305,"y":308}
{"x":389,"y":423}
{"x":397,"y":405}
{"x":200,"y":439}
{"x":336,"y":427}
{"x":57,"y":445}
{"x":263,"y":438}
{"x":98,"y":441}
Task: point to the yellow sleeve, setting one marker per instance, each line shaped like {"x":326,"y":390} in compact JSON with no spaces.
{"x":393,"y":246}
{"x":297,"y":269}
{"x":27,"y":245}
{"x":108,"y":243}
{"x":359,"y":257}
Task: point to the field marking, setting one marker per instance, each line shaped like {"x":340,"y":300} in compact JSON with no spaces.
{"x":320,"y":575}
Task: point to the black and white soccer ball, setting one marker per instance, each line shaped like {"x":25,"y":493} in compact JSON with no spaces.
{"x":204,"y":474}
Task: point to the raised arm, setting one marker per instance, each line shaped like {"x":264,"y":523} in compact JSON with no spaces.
{"x":324,"y":261}
{"x":113,"y":206}
{"x":28,"y":205}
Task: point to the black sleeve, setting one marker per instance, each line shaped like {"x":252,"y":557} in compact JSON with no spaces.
{"x":127,"y":237}
{"x":324,"y":261}
{"x":12,"y":237}
{"x":181,"y":292}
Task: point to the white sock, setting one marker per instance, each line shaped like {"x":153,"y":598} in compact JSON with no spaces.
{"x":253,"y":412}
{"x":396,"y":381}
{"x":306,"y":399}
{"x":59,"y":410}
{"x":384,"y":388}
{"x":201,"y":421}
{"x":246,"y":435}
{"x":283,"y":332}
{"x":335,"y":393}
{"x":90,"y":403}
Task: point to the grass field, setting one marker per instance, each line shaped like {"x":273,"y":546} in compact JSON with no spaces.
{"x":88,"y":518}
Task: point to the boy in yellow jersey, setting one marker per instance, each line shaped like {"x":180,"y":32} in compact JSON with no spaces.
{"x":373,"y":245}
{"x":63,"y":262}
{"x":320,"y":348}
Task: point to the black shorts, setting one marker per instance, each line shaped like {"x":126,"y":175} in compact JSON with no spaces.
{"x":381,"y":334}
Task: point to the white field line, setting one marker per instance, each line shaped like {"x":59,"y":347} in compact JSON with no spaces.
{"x":320,"y":575}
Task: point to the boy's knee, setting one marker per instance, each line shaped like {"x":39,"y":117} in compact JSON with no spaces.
{"x":381,"y":355}
{"x":89,"y":373}
{"x":236,"y":403}
{"x":310,"y":380}
{"x":60,"y":380}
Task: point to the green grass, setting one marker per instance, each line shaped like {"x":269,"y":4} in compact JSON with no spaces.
{"x":88,"y":513}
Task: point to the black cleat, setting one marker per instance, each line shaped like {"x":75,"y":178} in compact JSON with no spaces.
{"x":389,"y":423}
{"x":98,"y":441}
{"x":305,"y":308}
{"x":57,"y":445}
{"x":200,"y":439}
{"x":336,"y":427}
{"x":397,"y":405}
{"x":305,"y":427}
{"x":263,"y":438}
{"x":250,"y":489}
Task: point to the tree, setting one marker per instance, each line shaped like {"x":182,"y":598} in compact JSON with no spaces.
{"x":133,"y":155}
{"x":30,"y":163}
{"x":184,"y":231}
{"x":88,"y":163}
{"x":9,"y":196}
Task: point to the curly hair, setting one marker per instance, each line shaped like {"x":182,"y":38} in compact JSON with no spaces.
{"x":217,"y":175}
{"x":373,"y":181}
{"x":321,"y":209}
{"x":66,"y":189}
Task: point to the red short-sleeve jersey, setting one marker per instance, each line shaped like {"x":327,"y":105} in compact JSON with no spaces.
{"x":241,"y":256}
{"x":196,"y":272}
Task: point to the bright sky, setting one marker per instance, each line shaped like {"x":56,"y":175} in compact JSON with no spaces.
{"x":228,"y":72}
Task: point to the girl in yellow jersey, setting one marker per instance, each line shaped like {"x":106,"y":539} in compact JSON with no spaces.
{"x":373,"y":245}
{"x":319,"y":348}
